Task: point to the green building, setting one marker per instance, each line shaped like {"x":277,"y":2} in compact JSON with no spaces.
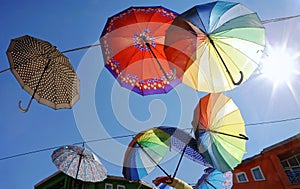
{"x":59,"y":180}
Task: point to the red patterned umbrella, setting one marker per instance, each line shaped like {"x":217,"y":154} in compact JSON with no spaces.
{"x":132,"y":44}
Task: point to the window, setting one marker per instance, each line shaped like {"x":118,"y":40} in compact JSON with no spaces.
{"x":120,"y":187}
{"x":241,"y":177}
{"x":291,"y":167}
{"x":108,"y":186}
{"x":257,"y":174}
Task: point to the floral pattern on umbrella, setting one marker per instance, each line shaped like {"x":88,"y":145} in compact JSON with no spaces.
{"x":79,"y":163}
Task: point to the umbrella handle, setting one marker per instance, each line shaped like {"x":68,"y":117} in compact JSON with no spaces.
{"x":240,"y":81}
{"x":27,"y":108}
{"x":173,"y":76}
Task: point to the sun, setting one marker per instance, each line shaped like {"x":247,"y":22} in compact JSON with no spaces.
{"x":279,"y":65}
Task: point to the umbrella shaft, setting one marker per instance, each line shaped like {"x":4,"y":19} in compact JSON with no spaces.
{"x":153,"y":160}
{"x":78,"y":167}
{"x":223,"y":62}
{"x":159,"y":64}
{"x":241,"y":136}
{"x":210,"y":184}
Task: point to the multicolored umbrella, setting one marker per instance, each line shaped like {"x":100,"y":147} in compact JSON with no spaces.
{"x":218,"y":45}
{"x":148,"y":148}
{"x":214,"y":179}
{"x":132,"y":44}
{"x":219,"y":129}
{"x":79,"y":163}
{"x":44,"y":72}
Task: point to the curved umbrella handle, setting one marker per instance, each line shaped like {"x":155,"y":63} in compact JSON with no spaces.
{"x":173,"y":76}
{"x":27,"y":108}
{"x":243,"y":137}
{"x":240,"y":81}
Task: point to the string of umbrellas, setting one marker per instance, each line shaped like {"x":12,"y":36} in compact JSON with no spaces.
{"x":212,"y":48}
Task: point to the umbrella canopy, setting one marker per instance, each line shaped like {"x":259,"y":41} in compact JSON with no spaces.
{"x":79,"y":163}
{"x":149,"y":147}
{"x":132,"y":44}
{"x":220,"y":131}
{"x":214,"y":179}
{"x":217,"y":44}
{"x":44,"y":72}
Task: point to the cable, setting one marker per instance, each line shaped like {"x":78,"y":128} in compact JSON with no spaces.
{"x":263,"y":22}
{"x":271,"y":122}
{"x":131,"y":135}
{"x":55,"y":147}
{"x":279,"y":19}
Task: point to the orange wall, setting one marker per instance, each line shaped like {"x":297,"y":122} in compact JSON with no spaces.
{"x":270,"y":165}
{"x":271,"y":180}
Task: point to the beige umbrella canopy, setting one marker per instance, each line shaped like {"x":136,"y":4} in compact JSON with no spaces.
{"x":44,"y":72}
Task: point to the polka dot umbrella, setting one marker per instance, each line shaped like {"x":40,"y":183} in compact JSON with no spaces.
{"x":44,"y":72}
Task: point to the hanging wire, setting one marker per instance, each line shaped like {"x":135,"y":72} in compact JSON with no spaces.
{"x":55,"y":147}
{"x":95,"y":45}
{"x":280,"y":19}
{"x":132,"y":135}
{"x":263,"y":22}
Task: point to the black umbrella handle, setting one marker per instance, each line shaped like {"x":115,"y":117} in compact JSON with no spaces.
{"x":24,"y":110}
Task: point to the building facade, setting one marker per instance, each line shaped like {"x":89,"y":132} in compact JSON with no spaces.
{"x":276,"y":167}
{"x":59,"y":180}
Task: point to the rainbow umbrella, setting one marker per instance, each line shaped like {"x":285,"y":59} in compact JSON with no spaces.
{"x":218,"y":45}
{"x":132,"y":44}
{"x":148,"y":148}
{"x":214,"y":179}
{"x":220,"y":131}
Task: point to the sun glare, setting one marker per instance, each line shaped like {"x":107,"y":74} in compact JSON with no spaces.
{"x":279,"y":65}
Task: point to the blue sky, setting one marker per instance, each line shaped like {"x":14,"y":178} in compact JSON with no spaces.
{"x":105,"y":109}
